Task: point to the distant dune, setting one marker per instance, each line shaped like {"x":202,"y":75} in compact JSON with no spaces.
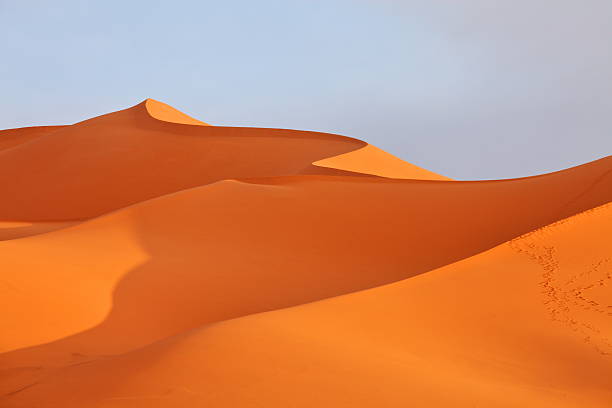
{"x":151,"y":259}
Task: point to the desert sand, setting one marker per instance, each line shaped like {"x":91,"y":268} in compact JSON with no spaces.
{"x":148,"y":258}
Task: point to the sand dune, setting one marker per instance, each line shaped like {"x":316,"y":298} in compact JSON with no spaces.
{"x":111,"y":161}
{"x":524,"y":324}
{"x":141,"y":248}
{"x":286,"y":241}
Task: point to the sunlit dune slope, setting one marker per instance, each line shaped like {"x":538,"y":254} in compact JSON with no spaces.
{"x":528,"y":323}
{"x":372,"y":160}
{"x":167,"y":113}
{"x":234,"y":248}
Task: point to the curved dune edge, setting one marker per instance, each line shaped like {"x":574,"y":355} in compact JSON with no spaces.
{"x":444,"y":338}
{"x":372,"y":160}
{"x":167,"y":113}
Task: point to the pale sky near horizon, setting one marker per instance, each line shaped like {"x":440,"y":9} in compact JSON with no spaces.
{"x":472,"y":89}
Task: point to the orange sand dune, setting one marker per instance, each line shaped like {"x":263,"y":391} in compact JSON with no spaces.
{"x":140,"y":247}
{"x":234,"y":248}
{"x":528,"y":323}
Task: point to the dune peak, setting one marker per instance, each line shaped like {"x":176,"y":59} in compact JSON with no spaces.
{"x":372,"y":160}
{"x":166,"y":113}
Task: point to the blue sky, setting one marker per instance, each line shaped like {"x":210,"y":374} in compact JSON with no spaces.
{"x":471,"y":89}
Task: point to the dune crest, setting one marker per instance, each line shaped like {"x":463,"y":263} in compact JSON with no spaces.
{"x":167,"y":113}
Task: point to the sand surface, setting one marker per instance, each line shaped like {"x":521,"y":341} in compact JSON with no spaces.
{"x":150,"y":259}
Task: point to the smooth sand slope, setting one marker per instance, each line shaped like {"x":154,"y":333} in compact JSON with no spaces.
{"x":372,"y":160}
{"x":18,"y":229}
{"x":14,"y":137}
{"x":164,"y":224}
{"x":528,"y":323}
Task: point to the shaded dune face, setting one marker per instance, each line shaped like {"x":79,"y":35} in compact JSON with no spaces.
{"x":109,"y":162}
{"x":147,"y":269}
{"x":13,"y":137}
